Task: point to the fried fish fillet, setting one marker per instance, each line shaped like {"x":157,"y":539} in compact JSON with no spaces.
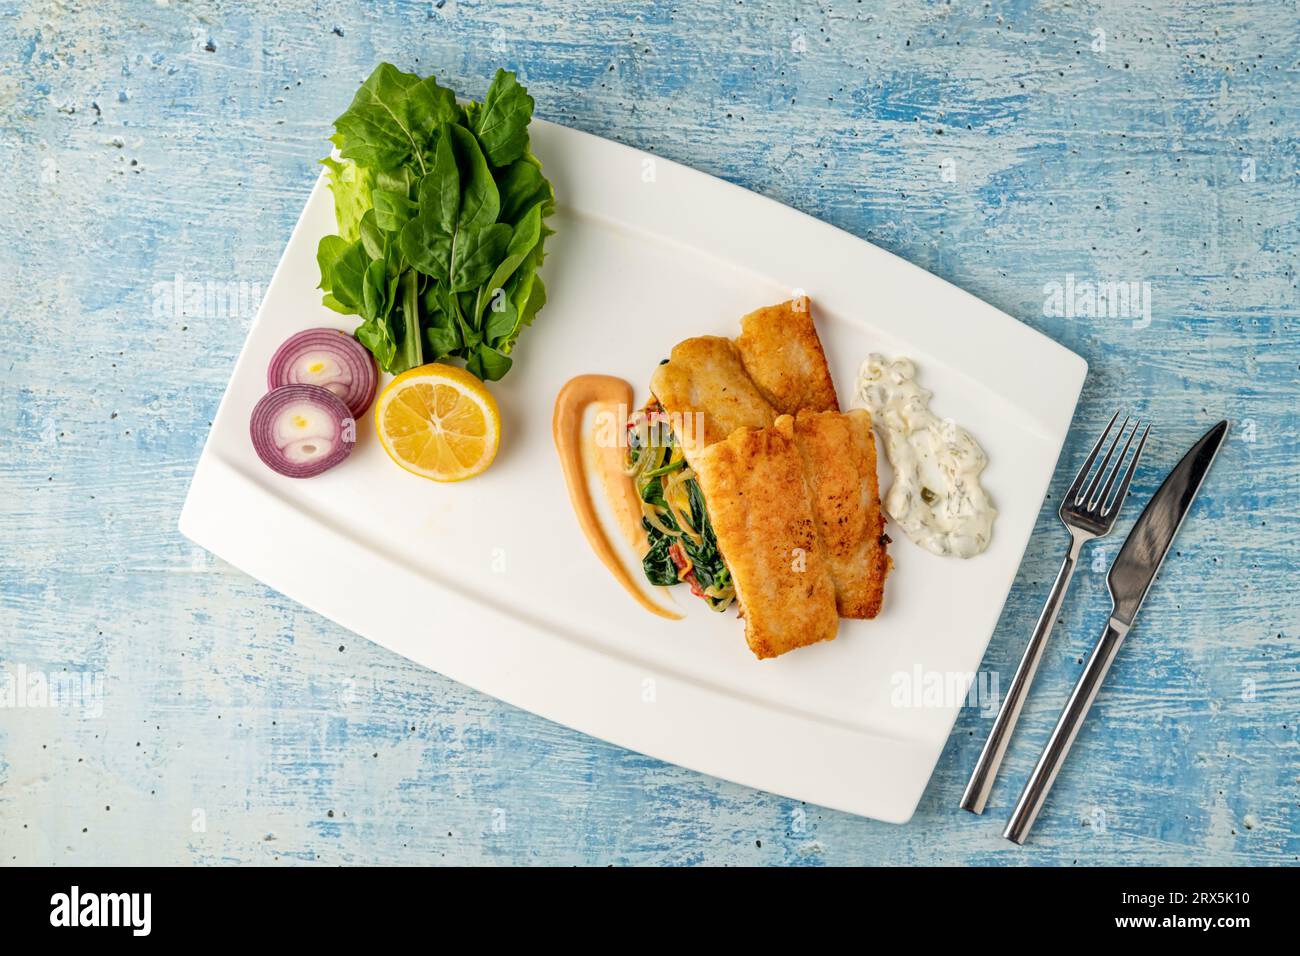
{"x":783,"y":356}
{"x":839,"y":459}
{"x":704,"y":388}
{"x":762,"y":516}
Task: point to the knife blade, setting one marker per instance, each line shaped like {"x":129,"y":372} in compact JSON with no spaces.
{"x":1129,"y":581}
{"x":1147,"y":544}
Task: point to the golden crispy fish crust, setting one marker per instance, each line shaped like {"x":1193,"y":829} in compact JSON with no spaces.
{"x":704,"y":375}
{"x":761,"y":513}
{"x":783,"y":355}
{"x":839,"y":458}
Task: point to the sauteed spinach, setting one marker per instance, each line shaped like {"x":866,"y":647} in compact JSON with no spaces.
{"x":683,"y":547}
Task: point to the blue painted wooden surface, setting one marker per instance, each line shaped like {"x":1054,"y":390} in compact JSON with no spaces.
{"x":1001,"y":145}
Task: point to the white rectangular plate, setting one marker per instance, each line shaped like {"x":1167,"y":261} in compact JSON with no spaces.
{"x":490,"y":581}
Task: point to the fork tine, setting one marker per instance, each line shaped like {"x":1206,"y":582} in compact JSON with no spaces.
{"x":1105,"y":462}
{"x":1092,"y":456}
{"x":1115,"y":503}
{"x":1101,"y":496}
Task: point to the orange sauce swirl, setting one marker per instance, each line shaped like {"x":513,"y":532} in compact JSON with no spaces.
{"x":582,"y":450}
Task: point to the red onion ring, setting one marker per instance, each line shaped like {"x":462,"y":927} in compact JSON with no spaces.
{"x":302,"y":430}
{"x":331,"y":359}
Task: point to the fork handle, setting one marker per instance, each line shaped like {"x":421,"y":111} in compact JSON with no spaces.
{"x":1067,"y":728}
{"x":995,"y":748}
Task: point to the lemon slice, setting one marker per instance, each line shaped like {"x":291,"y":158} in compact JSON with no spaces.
{"x":439,"y":422}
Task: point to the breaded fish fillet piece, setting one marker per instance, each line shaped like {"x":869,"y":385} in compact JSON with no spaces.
{"x":705,"y":376}
{"x":839,"y":459}
{"x":783,"y":355}
{"x":761,"y":513}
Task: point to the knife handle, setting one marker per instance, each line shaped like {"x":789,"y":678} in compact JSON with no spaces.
{"x":1067,"y":728}
{"x":995,"y":748}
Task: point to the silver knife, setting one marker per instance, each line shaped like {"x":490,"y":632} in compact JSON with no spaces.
{"x":1129,"y":580}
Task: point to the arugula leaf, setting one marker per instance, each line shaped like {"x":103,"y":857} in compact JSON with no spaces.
{"x":399,"y":180}
{"x":442,"y":335}
{"x":475,"y":253}
{"x":372,"y":237}
{"x":375,"y":300}
{"x":526,"y":235}
{"x":328,"y":251}
{"x":330,"y":302}
{"x":468,"y":114}
{"x":375,"y":335}
{"x":441,"y":213}
{"x":523,"y":186}
{"x":426,"y":247}
{"x":345,"y":263}
{"x":479,"y":199}
{"x":527,"y":295}
{"x":392,"y":210}
{"x":502,"y":124}
{"x":535,"y":303}
{"x":440,"y":189}
{"x":456,"y":237}
{"x":412,"y":354}
{"x":502,"y":320}
{"x":393,"y":118}
{"x":470,"y":333}
{"x":488,"y":364}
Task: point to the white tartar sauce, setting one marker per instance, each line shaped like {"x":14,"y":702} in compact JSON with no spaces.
{"x":936,"y":497}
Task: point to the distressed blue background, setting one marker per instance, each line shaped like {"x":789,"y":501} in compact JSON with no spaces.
{"x":144,"y":140}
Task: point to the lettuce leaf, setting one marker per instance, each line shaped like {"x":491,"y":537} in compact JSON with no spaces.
{"x":352,"y":188}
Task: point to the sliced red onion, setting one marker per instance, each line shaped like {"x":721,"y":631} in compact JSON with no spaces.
{"x":302,"y":430}
{"x":328,"y":358}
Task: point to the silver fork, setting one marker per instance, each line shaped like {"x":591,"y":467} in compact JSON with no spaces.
{"x":1088,"y":511}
